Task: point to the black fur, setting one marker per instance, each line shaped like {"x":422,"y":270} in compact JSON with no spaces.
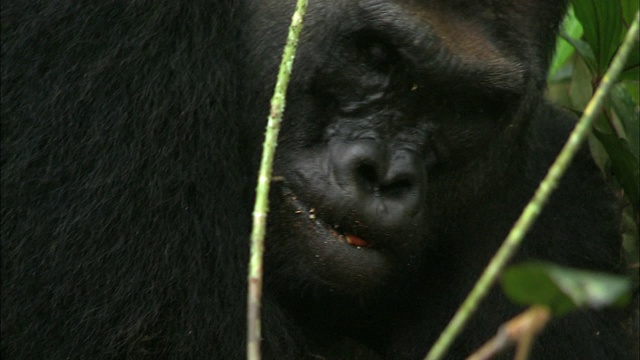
{"x":130,"y":137}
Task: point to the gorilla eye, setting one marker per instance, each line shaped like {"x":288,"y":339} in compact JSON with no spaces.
{"x":375,"y":52}
{"x":378,"y":54}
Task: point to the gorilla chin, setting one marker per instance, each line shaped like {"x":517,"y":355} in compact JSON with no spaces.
{"x":330,"y":257}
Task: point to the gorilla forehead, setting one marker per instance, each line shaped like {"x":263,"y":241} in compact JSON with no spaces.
{"x":438,"y":41}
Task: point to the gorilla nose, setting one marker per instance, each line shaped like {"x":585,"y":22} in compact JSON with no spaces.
{"x":381,"y":185}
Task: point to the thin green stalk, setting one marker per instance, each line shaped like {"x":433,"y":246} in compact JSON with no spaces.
{"x":261,"y":207}
{"x":534,"y":207}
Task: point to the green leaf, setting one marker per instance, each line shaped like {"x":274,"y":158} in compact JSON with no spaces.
{"x":631,"y":73}
{"x":629,"y":9}
{"x":627,"y":111}
{"x":571,"y":27}
{"x":563,"y":289}
{"x":633,"y":88}
{"x":583,"y":49}
{"x":599,"y":155}
{"x":633,"y":64}
{"x":602,"y":24}
{"x":630,"y":241}
{"x":624,"y":165}
{"x":581,"y":90}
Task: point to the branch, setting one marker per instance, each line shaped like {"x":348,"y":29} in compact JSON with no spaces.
{"x":535,"y":206}
{"x":522,"y":329}
{"x":261,"y":207}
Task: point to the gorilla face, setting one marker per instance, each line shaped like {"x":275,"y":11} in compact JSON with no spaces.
{"x":391,"y":121}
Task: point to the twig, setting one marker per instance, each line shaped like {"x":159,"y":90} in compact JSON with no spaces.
{"x":261,"y":207}
{"x":520,"y":330}
{"x":534,"y":207}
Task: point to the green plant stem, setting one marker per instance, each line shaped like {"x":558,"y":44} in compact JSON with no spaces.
{"x":261,"y":207}
{"x":534,"y":207}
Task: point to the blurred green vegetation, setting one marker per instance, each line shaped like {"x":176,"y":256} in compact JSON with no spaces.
{"x":590,"y":36}
{"x":562,"y":289}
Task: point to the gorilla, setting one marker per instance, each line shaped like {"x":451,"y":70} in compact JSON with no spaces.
{"x":414,"y":134}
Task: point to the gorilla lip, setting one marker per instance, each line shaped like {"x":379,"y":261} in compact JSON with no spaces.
{"x":356,"y":240}
{"x":301,"y":208}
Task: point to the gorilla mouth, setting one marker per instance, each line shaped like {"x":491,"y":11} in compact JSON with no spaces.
{"x":309,"y":213}
{"x":356,"y":240}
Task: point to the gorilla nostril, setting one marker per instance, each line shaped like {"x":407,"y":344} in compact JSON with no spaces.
{"x":367,"y":175}
{"x":369,"y":168}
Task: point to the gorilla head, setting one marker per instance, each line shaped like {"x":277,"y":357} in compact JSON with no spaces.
{"x":415,"y":131}
{"x":400,"y":114}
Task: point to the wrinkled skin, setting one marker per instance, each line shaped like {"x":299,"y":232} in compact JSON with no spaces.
{"x":414,"y":134}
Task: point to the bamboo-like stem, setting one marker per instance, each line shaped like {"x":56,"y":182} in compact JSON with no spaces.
{"x":534,"y":207}
{"x":261,"y":207}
